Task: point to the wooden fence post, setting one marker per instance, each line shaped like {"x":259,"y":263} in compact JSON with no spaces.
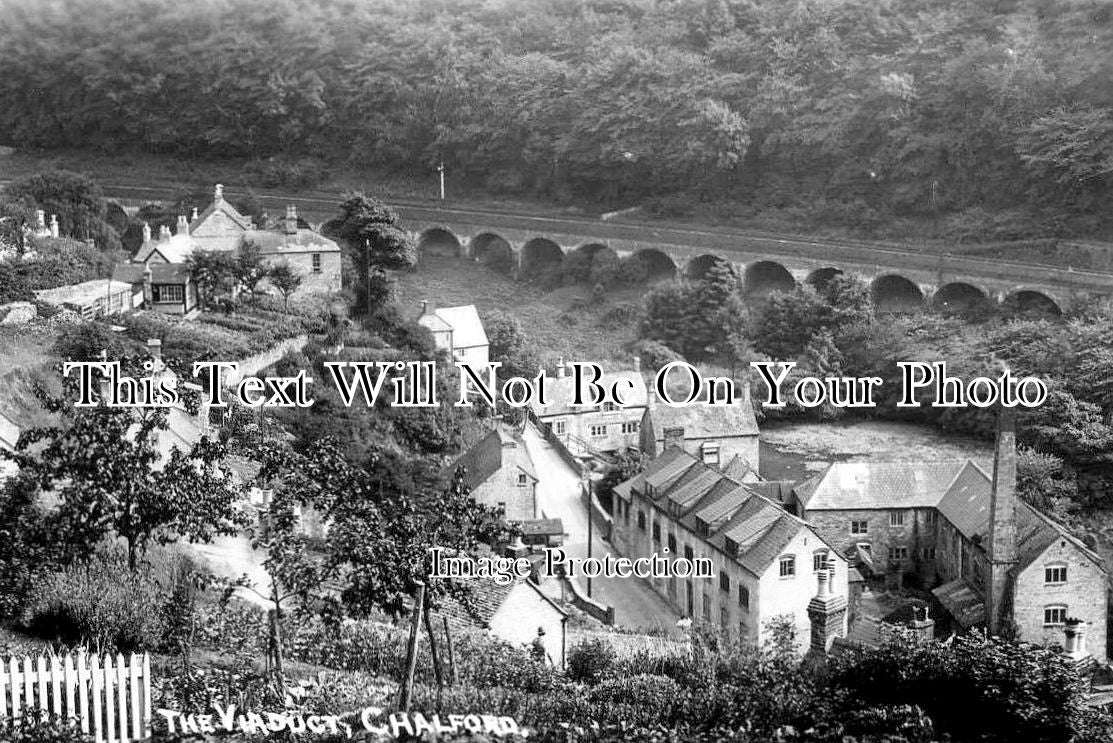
{"x":451,"y":653}
{"x":411,"y":649}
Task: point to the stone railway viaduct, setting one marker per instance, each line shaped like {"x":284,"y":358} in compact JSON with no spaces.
{"x":901,"y":280}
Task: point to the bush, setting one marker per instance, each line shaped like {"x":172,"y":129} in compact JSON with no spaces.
{"x":40,"y":729}
{"x":591,"y":660}
{"x":100,"y":604}
{"x":642,"y":690}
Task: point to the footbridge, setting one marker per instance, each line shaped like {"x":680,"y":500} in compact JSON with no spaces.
{"x":900,"y":279}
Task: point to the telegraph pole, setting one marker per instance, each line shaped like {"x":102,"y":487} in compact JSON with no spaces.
{"x":440,"y":169}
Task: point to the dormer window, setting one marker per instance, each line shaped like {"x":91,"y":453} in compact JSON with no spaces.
{"x":709,"y":450}
{"x":523,"y":479}
{"x":608,"y":407}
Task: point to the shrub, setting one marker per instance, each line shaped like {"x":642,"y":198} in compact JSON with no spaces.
{"x":590,"y":660}
{"x":40,"y":729}
{"x":100,"y":604}
{"x":643,"y":690}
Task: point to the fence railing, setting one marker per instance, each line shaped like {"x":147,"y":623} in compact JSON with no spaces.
{"x":109,"y":698}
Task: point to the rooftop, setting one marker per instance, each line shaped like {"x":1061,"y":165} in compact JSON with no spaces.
{"x":84,"y":293}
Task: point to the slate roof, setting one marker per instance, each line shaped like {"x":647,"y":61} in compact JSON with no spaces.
{"x":701,"y":421}
{"x":277,"y":242}
{"x":161,"y":273}
{"x":501,"y":447}
{"x":731,"y":515}
{"x":482,"y":600}
{"x":467,"y":328}
{"x":561,"y":392}
{"x":867,"y":485}
{"x":176,"y":249}
{"x":964,"y":603}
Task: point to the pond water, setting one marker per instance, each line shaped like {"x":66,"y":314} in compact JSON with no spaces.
{"x":796,"y":451}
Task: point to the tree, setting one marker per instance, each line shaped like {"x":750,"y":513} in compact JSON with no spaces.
{"x":215,"y":273}
{"x":75,"y":199}
{"x":287,"y":280}
{"x":508,"y":345}
{"x":249,"y":268}
{"x":369,"y":228}
{"x":107,"y":468}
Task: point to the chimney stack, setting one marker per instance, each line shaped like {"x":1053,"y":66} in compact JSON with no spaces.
{"x":54,"y":225}
{"x":291,"y":220}
{"x":146,"y":233}
{"x":637,"y":363}
{"x":154,"y":347}
{"x":922,"y":625}
{"x":1002,"y":521}
{"x":218,"y":193}
{"x":183,"y":226}
{"x":560,"y":368}
{"x":193,"y":215}
{"x":827,"y":613}
{"x":40,"y":220}
{"x":426,"y":307}
{"x":163,"y":233}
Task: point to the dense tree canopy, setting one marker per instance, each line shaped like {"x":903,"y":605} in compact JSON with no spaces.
{"x":850,"y":108}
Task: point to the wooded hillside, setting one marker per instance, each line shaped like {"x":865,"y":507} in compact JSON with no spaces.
{"x":988,"y":120}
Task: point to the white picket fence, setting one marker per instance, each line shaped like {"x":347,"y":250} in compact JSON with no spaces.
{"x":108,"y":698}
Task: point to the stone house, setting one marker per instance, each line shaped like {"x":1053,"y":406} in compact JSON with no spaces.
{"x":767,"y":561}
{"x":499,"y":473}
{"x":990,"y":558}
{"x":716,"y":434}
{"x":513,"y":613}
{"x":159,"y":266}
{"x":457,"y":331}
{"x":9,"y":435}
{"x":605,"y":428}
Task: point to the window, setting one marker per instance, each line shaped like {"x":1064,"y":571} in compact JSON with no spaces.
{"x":502,"y":506}
{"x":928,"y":553}
{"x":316,"y":263}
{"x":1054,"y":615}
{"x":168,"y":293}
{"x":897,"y":554}
{"x":641,"y":520}
{"x":930,"y":518}
{"x":597,"y":431}
{"x":788,"y":566}
{"x":710,"y":451}
{"x":1055,"y":574}
{"x":559,"y":426}
{"x":672,"y":543}
{"x":523,"y":479}
{"x":688,"y":553}
{"x":461,"y":353}
{"x":819,"y":561}
{"x":896,"y":518}
{"x":859,"y":527}
{"x":630,"y":427}
{"x":723,"y":617}
{"x":706,"y":608}
{"x":724,"y":581}
{"x":743,"y":597}
{"x":656,"y":531}
{"x":608,"y":407}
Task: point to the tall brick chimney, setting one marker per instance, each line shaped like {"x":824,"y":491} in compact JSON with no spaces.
{"x":218,"y":193}
{"x":290,"y":224}
{"x":182,"y":227}
{"x":827,"y":613}
{"x":163,"y":233}
{"x":146,"y":233}
{"x":54,"y":225}
{"x":1002,"y":522}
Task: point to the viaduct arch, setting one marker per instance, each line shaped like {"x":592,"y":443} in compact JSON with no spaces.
{"x":893,"y":290}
